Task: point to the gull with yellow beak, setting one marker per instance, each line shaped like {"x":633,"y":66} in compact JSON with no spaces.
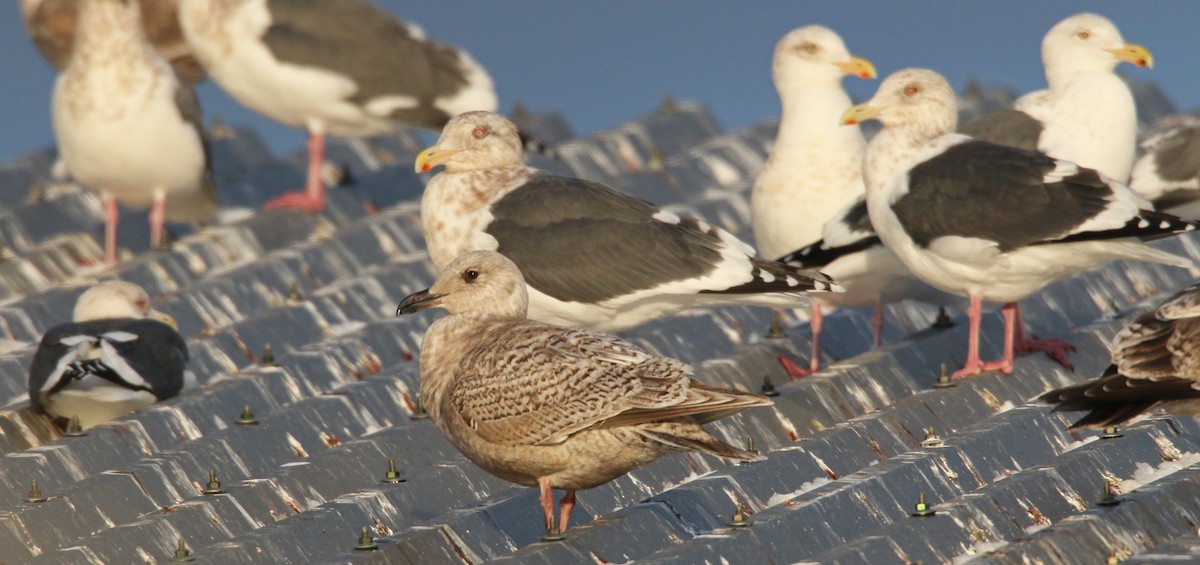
{"x":988,"y":221}
{"x":1087,"y":114}
{"x":591,"y":255}
{"x":117,"y":356}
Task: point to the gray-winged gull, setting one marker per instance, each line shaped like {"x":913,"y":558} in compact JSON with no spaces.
{"x":549,"y":406}
{"x":337,"y":67}
{"x":1168,"y":173}
{"x":117,"y":356}
{"x":989,"y":221}
{"x":592,"y":256}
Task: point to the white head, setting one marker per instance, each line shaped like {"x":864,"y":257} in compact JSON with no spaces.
{"x":919,"y":100}
{"x":480,"y":281}
{"x":116,"y":299}
{"x":474,"y":141}
{"x":1087,"y":43}
{"x":814,"y":56}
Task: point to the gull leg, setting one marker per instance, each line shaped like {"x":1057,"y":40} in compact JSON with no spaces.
{"x":547,"y":501}
{"x":564,"y":510}
{"x":795,"y":371}
{"x":973,"y":365}
{"x":312,"y":200}
{"x":158,"y":216}
{"x":1056,"y":349}
{"x":877,"y":321}
{"x":110,"y":228}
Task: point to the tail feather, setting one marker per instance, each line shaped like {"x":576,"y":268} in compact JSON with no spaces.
{"x":691,"y":437}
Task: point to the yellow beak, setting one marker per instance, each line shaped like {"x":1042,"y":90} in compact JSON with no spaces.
{"x":432,"y":157}
{"x":858,"y":67}
{"x":860,"y":113}
{"x":1135,"y":54}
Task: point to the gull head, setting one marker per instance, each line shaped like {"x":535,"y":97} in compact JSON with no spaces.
{"x":912,"y":98}
{"x":480,"y":281}
{"x":474,"y":141}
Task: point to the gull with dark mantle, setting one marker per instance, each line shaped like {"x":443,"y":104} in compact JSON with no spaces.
{"x":549,"y":406}
{"x":592,"y":256}
{"x":988,"y":221}
{"x":336,"y":67}
{"x":1168,"y":172}
{"x":117,"y":356}
{"x":1086,"y":114}
{"x":127,"y":127}
{"x":1155,"y":362}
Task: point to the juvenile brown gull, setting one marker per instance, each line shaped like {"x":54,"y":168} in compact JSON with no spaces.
{"x":1156,"y":362}
{"x":593,"y":256}
{"x":337,"y":67}
{"x":117,"y":356}
{"x":548,"y":406}
{"x":127,"y":127}
{"x":988,"y":221}
{"x":1086,"y":114}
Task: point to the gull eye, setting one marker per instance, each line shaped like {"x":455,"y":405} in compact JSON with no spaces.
{"x":1083,"y":34}
{"x":470,"y":275}
{"x":809,"y":47}
{"x":911,"y":90}
{"x":480,"y":132}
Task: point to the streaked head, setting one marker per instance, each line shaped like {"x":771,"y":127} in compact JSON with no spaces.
{"x":919,"y":98}
{"x":479,"y":281}
{"x":474,"y":141}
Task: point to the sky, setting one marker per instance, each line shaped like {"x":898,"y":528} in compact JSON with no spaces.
{"x":600,"y":63}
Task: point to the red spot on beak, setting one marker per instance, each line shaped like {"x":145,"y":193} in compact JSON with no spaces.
{"x":864,"y":75}
{"x":425,"y":168}
{"x":852,"y":122}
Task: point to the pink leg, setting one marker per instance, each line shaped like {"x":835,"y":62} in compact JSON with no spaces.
{"x":877,"y":321}
{"x":547,"y":500}
{"x":1056,"y":349}
{"x":312,"y":200}
{"x":110,"y":228}
{"x":814,"y":363}
{"x":564,"y":510}
{"x":158,"y":215}
{"x":973,"y":365}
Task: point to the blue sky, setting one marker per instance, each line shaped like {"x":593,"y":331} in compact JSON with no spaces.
{"x":601,"y":63}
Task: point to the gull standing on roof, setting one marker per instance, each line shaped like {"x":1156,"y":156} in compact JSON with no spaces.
{"x":1156,"y":362}
{"x":1087,"y":114}
{"x":988,"y":221}
{"x":815,"y":167}
{"x":1168,"y":173}
{"x":117,"y":356}
{"x":337,"y":67}
{"x":127,"y":127}
{"x":592,"y":256}
{"x":548,"y":406}
{"x":51,"y":25}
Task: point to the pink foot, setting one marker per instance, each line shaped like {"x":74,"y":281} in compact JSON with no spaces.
{"x":297,"y":200}
{"x":796,"y":372}
{"x":969,"y":369}
{"x":1056,"y":349}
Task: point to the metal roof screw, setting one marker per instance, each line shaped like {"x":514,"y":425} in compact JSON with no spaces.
{"x":921,"y":509}
{"x":739,"y":519}
{"x":1108,"y":497}
{"x":214,"y":486}
{"x":1111,"y":432}
{"x":35,"y":495}
{"x":932,"y":439}
{"x":294,"y":293}
{"x":182,"y":555}
{"x":552,"y":532}
{"x":247,"y":418}
{"x":751,"y":448}
{"x":943,"y":380}
{"x":268,"y":357}
{"x":776,"y":329}
{"x":943,"y":319}
{"x":1114,"y":558}
{"x":419,"y":413}
{"x":74,"y":428}
{"x":768,"y":388}
{"x":393,"y":476}
{"x":365,"y":541}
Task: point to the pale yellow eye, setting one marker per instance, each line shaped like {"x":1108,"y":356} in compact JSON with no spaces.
{"x":480,"y":132}
{"x":1083,"y":34}
{"x":807,"y":47}
{"x":911,"y":90}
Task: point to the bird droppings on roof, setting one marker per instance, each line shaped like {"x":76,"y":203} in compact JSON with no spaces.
{"x":844,"y":462}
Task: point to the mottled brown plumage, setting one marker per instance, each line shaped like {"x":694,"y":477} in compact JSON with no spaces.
{"x":555,"y":407}
{"x":1156,"y":361}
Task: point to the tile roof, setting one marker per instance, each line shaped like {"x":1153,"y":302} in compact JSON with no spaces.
{"x":845,"y":462}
